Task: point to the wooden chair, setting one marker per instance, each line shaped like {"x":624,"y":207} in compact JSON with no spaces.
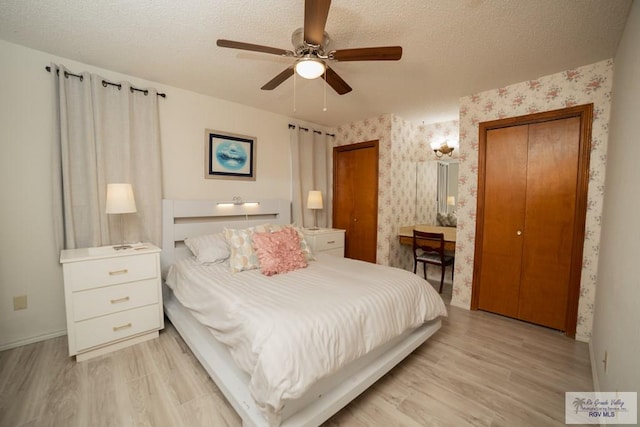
{"x":428,"y":248}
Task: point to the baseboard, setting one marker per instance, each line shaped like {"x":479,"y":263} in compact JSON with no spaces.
{"x":594,"y":368}
{"x":31,"y":340}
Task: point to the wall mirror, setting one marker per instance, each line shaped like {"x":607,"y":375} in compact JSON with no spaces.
{"x":436,"y":183}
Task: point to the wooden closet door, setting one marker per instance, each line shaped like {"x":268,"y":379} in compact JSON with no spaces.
{"x":533,"y":177}
{"x":355,"y":198}
{"x":505,"y":184}
{"x":549,"y":222}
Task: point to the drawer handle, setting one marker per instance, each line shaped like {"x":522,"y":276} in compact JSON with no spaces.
{"x":330,"y":242}
{"x":119,"y":300}
{"x":115,"y":273}
{"x":118,"y":328}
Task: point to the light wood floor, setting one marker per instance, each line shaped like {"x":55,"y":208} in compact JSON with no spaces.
{"x":480,"y":369}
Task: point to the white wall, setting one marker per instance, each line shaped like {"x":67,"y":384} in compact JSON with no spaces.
{"x":617,"y":308}
{"x":28,"y":258}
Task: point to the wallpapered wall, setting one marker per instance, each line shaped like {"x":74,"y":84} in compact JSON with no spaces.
{"x":405,"y":155}
{"x":588,"y":84}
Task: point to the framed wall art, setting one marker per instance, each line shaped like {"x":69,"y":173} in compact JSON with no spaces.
{"x":229,"y":156}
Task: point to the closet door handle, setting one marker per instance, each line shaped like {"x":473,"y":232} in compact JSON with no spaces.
{"x":519,"y":232}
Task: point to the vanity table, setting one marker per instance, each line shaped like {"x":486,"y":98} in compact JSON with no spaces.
{"x":406,"y":234}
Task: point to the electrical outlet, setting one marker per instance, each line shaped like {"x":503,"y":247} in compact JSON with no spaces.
{"x":20,"y":302}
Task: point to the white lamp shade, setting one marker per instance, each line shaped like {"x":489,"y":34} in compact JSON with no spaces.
{"x":451,"y":201}
{"x":310,"y":68}
{"x":120,"y":199}
{"x":314,"y":201}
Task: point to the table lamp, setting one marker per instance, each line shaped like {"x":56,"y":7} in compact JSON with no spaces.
{"x":314,"y":202}
{"x":120,"y":201}
{"x":451,"y":201}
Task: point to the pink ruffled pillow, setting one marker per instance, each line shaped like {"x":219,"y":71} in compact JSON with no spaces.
{"x":279,"y":252}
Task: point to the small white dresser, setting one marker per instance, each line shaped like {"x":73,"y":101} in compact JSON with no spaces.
{"x":326,"y":240}
{"x":113,"y":298}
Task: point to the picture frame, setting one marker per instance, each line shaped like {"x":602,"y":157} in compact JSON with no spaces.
{"x":229,"y":156}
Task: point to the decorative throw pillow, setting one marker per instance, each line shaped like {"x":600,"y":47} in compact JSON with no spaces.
{"x":279,"y":251}
{"x":304,"y":246}
{"x":442,"y":219}
{"x":208,"y":248}
{"x":242,"y":255}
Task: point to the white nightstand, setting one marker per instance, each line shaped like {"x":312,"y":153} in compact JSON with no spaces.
{"x":113,"y":298}
{"x":326,"y":240}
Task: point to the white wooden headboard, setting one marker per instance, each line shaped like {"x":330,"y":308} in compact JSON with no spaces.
{"x":189,"y":218}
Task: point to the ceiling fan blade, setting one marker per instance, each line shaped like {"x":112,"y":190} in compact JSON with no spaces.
{"x":336,"y":82}
{"x":383,"y":53}
{"x":253,"y":47}
{"x":315,"y":19}
{"x":279,"y":79}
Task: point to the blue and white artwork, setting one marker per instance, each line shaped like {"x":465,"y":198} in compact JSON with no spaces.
{"x":230,"y":156}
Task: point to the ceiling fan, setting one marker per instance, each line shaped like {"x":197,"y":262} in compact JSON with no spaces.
{"x":310,"y":50}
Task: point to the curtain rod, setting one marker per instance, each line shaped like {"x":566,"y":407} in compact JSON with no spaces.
{"x":106,"y":83}
{"x":307,"y":130}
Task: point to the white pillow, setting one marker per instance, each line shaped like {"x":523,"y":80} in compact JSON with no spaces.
{"x":208,"y":248}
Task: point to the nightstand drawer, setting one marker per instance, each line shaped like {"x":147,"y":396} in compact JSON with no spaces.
{"x":329,"y":241}
{"x":111,"y":299}
{"x":339,"y":252}
{"x":110,"y":271}
{"x":94,"y":332}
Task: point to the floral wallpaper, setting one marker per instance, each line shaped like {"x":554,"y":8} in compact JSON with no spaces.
{"x":588,"y":84}
{"x":426,"y":188}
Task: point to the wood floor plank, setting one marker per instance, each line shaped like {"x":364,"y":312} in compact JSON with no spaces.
{"x":152,"y":402}
{"x":209,"y":411}
{"x":480,"y":369}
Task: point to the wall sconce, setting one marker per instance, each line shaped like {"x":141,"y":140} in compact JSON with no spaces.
{"x":120,"y":201}
{"x":441,"y":149}
{"x":314,"y":202}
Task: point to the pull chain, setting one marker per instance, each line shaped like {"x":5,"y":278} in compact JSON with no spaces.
{"x":324,"y":107}
{"x":294,"y":91}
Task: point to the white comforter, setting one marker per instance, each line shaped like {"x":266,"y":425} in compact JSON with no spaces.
{"x":289,"y":330}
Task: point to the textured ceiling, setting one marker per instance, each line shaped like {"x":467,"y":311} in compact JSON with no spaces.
{"x":452,"y":48}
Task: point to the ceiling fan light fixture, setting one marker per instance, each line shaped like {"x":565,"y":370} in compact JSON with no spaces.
{"x":310,"y":68}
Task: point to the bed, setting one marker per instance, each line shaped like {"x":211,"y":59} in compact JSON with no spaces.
{"x":313,"y":398}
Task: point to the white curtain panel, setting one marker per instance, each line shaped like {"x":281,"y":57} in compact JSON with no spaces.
{"x":309,"y":154}
{"x":321,"y":176}
{"x":107,"y":134}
